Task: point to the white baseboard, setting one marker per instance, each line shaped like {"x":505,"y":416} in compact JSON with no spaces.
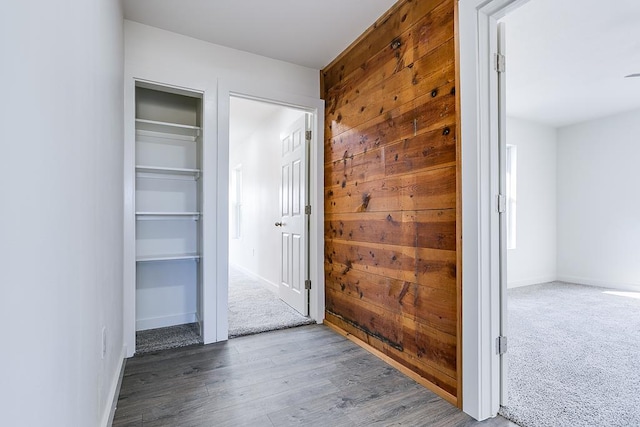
{"x":163,"y":322}
{"x":600,"y":283}
{"x":529,"y":282}
{"x":114,"y":392}
{"x":255,"y":276}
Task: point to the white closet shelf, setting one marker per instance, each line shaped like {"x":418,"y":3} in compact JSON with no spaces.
{"x":167,"y":128}
{"x":173,"y":257}
{"x":193,"y":173}
{"x":167,"y":215}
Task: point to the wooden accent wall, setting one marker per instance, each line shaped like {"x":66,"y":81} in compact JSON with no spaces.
{"x":391,"y":211}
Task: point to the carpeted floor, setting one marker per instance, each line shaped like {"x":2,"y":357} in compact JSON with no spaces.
{"x":254,"y":308}
{"x":165,"y":338}
{"x":573,"y":357}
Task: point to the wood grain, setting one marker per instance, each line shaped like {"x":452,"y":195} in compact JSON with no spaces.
{"x":358,"y":104}
{"x":426,"y":151}
{"x":432,"y":267}
{"x":392,"y":209}
{"x":433,"y":189}
{"x":426,"y":229}
{"x":431,"y":306}
{"x":424,"y":114}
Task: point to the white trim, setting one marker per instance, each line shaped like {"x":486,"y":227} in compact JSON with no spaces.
{"x":129,"y":240}
{"x":529,"y":282}
{"x":114,"y":392}
{"x":256,"y":276}
{"x":207,"y":215}
{"x":634,"y":287}
{"x":480,"y":230}
{"x":315,"y":106}
{"x":165,"y":321}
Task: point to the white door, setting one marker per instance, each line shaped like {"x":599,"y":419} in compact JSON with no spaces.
{"x":502,"y":156}
{"x":293,"y":222}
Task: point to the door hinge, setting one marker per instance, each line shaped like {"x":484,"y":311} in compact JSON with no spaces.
{"x":307,"y":210}
{"x":501,"y":345}
{"x":307,"y":135}
{"x":501,"y":203}
{"x":307,"y":284}
{"x":500,"y":63}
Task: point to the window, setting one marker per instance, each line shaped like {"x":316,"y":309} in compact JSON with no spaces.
{"x":511,"y":195}
{"x":236,"y":202}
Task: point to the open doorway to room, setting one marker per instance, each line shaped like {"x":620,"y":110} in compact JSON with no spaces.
{"x":572,"y":231}
{"x":268,"y":223}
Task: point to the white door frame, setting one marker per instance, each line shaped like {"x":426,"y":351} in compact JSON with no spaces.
{"x":129,"y":245}
{"x":226,"y":89}
{"x":477,"y":26}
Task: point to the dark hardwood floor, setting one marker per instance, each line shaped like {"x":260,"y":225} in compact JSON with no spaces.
{"x":308,"y":376}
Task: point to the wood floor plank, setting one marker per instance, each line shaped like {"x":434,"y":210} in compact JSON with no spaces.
{"x":307,"y":376}
{"x":128,"y":421}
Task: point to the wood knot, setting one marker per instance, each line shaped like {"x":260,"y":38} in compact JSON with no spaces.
{"x":348,"y":266}
{"x":366,"y":198}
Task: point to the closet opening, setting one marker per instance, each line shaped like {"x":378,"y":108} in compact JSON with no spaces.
{"x":168,"y":226}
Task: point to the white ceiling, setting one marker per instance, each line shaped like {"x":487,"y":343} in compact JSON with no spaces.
{"x":308,"y":33}
{"x":566,"y":60}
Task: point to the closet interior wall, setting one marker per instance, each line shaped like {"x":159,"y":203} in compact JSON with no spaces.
{"x":168,"y":194}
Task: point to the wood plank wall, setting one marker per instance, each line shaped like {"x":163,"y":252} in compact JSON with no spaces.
{"x":391,"y":210}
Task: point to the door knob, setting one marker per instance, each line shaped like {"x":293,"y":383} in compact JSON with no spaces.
{"x":279,"y":224}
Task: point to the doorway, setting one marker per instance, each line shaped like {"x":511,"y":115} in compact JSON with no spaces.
{"x":268,"y":225}
{"x":570,"y":337}
{"x":483,"y":249}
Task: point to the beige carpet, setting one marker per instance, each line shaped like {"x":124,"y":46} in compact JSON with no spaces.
{"x":255,"y":308}
{"x":574,"y":356}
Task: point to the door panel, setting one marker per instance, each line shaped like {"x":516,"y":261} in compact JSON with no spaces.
{"x":296,"y":208}
{"x":296,"y":263}
{"x":284,"y":190}
{"x":285,"y":260}
{"x":293,"y":221}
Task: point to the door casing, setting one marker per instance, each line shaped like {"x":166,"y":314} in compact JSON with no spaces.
{"x":313,"y":106}
{"x":479,"y":125}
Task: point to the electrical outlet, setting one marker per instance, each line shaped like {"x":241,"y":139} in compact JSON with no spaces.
{"x":104,"y":341}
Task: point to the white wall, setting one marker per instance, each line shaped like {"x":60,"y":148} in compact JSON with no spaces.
{"x":258,"y":249}
{"x":534,"y":258}
{"x":169,"y":58}
{"x":598,"y":202}
{"x":61,"y":211}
